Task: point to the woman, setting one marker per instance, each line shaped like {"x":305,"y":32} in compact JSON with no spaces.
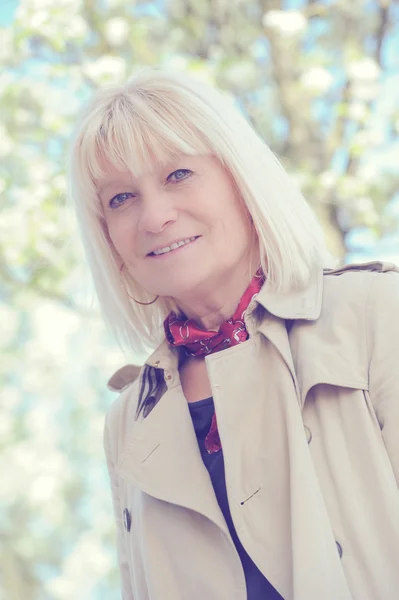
{"x":255,"y":454}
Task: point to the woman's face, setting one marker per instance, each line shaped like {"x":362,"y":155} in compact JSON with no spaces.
{"x":191,"y":200}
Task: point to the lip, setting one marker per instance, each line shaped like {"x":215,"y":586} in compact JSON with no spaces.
{"x":170,"y":243}
{"x":173,"y":252}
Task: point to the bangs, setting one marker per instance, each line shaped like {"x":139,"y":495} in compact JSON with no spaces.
{"x":134,"y":133}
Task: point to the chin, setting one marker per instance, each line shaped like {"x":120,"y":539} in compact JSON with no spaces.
{"x":182,"y":283}
{"x":180,"y":288}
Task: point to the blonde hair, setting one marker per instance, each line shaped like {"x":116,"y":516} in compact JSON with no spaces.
{"x":162,"y":113}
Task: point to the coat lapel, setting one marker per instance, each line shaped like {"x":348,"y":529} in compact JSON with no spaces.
{"x":253,"y":431}
{"x":163,"y":459}
{"x":274,"y":496}
{"x":297,"y":304}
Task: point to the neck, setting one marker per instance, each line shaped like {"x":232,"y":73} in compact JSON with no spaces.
{"x":212,"y":308}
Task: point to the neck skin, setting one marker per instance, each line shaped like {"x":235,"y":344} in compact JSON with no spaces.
{"x":212,"y":308}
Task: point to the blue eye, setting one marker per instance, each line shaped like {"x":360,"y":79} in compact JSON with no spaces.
{"x":179,"y":174}
{"x":119,"y":199}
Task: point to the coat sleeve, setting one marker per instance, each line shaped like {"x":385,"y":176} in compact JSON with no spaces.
{"x":383,"y":350}
{"x":110,"y":445}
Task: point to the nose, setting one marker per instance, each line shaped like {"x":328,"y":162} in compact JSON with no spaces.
{"x":156,"y":212}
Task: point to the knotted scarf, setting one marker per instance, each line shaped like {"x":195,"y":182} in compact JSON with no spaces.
{"x":195,"y":341}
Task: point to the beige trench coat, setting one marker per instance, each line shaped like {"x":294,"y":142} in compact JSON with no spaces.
{"x":308,"y":416}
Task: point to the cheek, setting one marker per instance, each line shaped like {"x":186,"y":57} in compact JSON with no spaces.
{"x":235,"y":225}
{"x":115,"y":238}
{"x":122,"y":238}
{"x":231,"y":240}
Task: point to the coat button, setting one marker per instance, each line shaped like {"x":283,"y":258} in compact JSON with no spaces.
{"x":339,"y":548}
{"x":126,"y":519}
{"x":308,"y":434}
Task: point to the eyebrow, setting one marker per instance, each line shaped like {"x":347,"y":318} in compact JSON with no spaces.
{"x":111,"y":184}
{"x":159,"y":166}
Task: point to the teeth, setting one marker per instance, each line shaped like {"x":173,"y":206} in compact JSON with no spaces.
{"x":173,"y":246}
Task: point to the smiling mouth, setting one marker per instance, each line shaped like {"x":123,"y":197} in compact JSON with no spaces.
{"x":173,"y":247}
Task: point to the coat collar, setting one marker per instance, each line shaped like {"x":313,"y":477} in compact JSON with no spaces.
{"x":299,"y":304}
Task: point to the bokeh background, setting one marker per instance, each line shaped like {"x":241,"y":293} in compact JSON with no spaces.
{"x":319,"y":79}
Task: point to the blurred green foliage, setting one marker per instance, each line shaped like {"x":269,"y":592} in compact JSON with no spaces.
{"x":318,"y":79}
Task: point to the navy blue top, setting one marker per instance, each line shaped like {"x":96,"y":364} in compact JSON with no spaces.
{"x":258,"y":587}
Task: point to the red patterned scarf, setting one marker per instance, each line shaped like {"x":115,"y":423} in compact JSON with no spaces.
{"x":198,"y":342}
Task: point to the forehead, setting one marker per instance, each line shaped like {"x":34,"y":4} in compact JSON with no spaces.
{"x":136,"y":166}
{"x":108,"y":172}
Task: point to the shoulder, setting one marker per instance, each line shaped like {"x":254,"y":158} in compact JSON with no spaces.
{"x":125,"y":381}
{"x":120,"y":417}
{"x":355,"y":302}
{"x":368,"y":267}
{"x":123,"y":377}
{"x":355,"y":286}
{"x":353,"y":298}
